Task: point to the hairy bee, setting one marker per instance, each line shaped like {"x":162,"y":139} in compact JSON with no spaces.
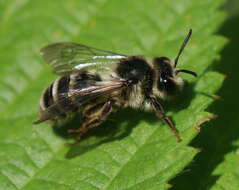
{"x":96,"y":82}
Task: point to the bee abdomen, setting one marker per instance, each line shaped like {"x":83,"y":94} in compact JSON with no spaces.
{"x":47,"y":98}
{"x":79,"y":81}
{"x":54,"y":94}
{"x":82,"y":80}
{"x":57,"y":99}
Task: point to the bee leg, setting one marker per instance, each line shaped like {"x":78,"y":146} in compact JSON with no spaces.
{"x":161,"y":114}
{"x":95,"y":118}
{"x":89,"y":111}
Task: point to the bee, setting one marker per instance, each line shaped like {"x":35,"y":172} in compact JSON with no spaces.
{"x":95,"y":82}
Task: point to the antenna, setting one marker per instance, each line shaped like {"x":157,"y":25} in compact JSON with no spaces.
{"x":186,"y":71}
{"x":182,"y":47}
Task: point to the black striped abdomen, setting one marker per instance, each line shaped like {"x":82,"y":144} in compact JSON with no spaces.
{"x":54,"y":94}
{"x":55,"y":99}
{"x":47,"y":98}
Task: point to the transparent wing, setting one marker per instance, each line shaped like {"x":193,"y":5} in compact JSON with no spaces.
{"x":67,"y":57}
{"x":82,"y":97}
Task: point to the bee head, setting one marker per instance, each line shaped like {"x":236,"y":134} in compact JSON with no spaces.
{"x":168,"y":81}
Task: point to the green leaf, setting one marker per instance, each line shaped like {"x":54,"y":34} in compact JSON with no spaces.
{"x":227,"y":170}
{"x":134,"y":150}
{"x":228,"y":181}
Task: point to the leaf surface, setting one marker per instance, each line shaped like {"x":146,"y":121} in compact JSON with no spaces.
{"x":133,"y":150}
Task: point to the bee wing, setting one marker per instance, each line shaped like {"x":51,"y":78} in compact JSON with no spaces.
{"x":67,"y":57}
{"x":82,"y":97}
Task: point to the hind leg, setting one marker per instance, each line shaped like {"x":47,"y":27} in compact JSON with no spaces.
{"x":93,"y":115}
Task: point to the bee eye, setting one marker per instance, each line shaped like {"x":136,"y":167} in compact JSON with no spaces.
{"x":167,"y":85}
{"x":163,"y":80}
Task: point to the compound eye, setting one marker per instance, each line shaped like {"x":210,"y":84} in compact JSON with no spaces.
{"x":164,"y":81}
{"x":167,"y":86}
